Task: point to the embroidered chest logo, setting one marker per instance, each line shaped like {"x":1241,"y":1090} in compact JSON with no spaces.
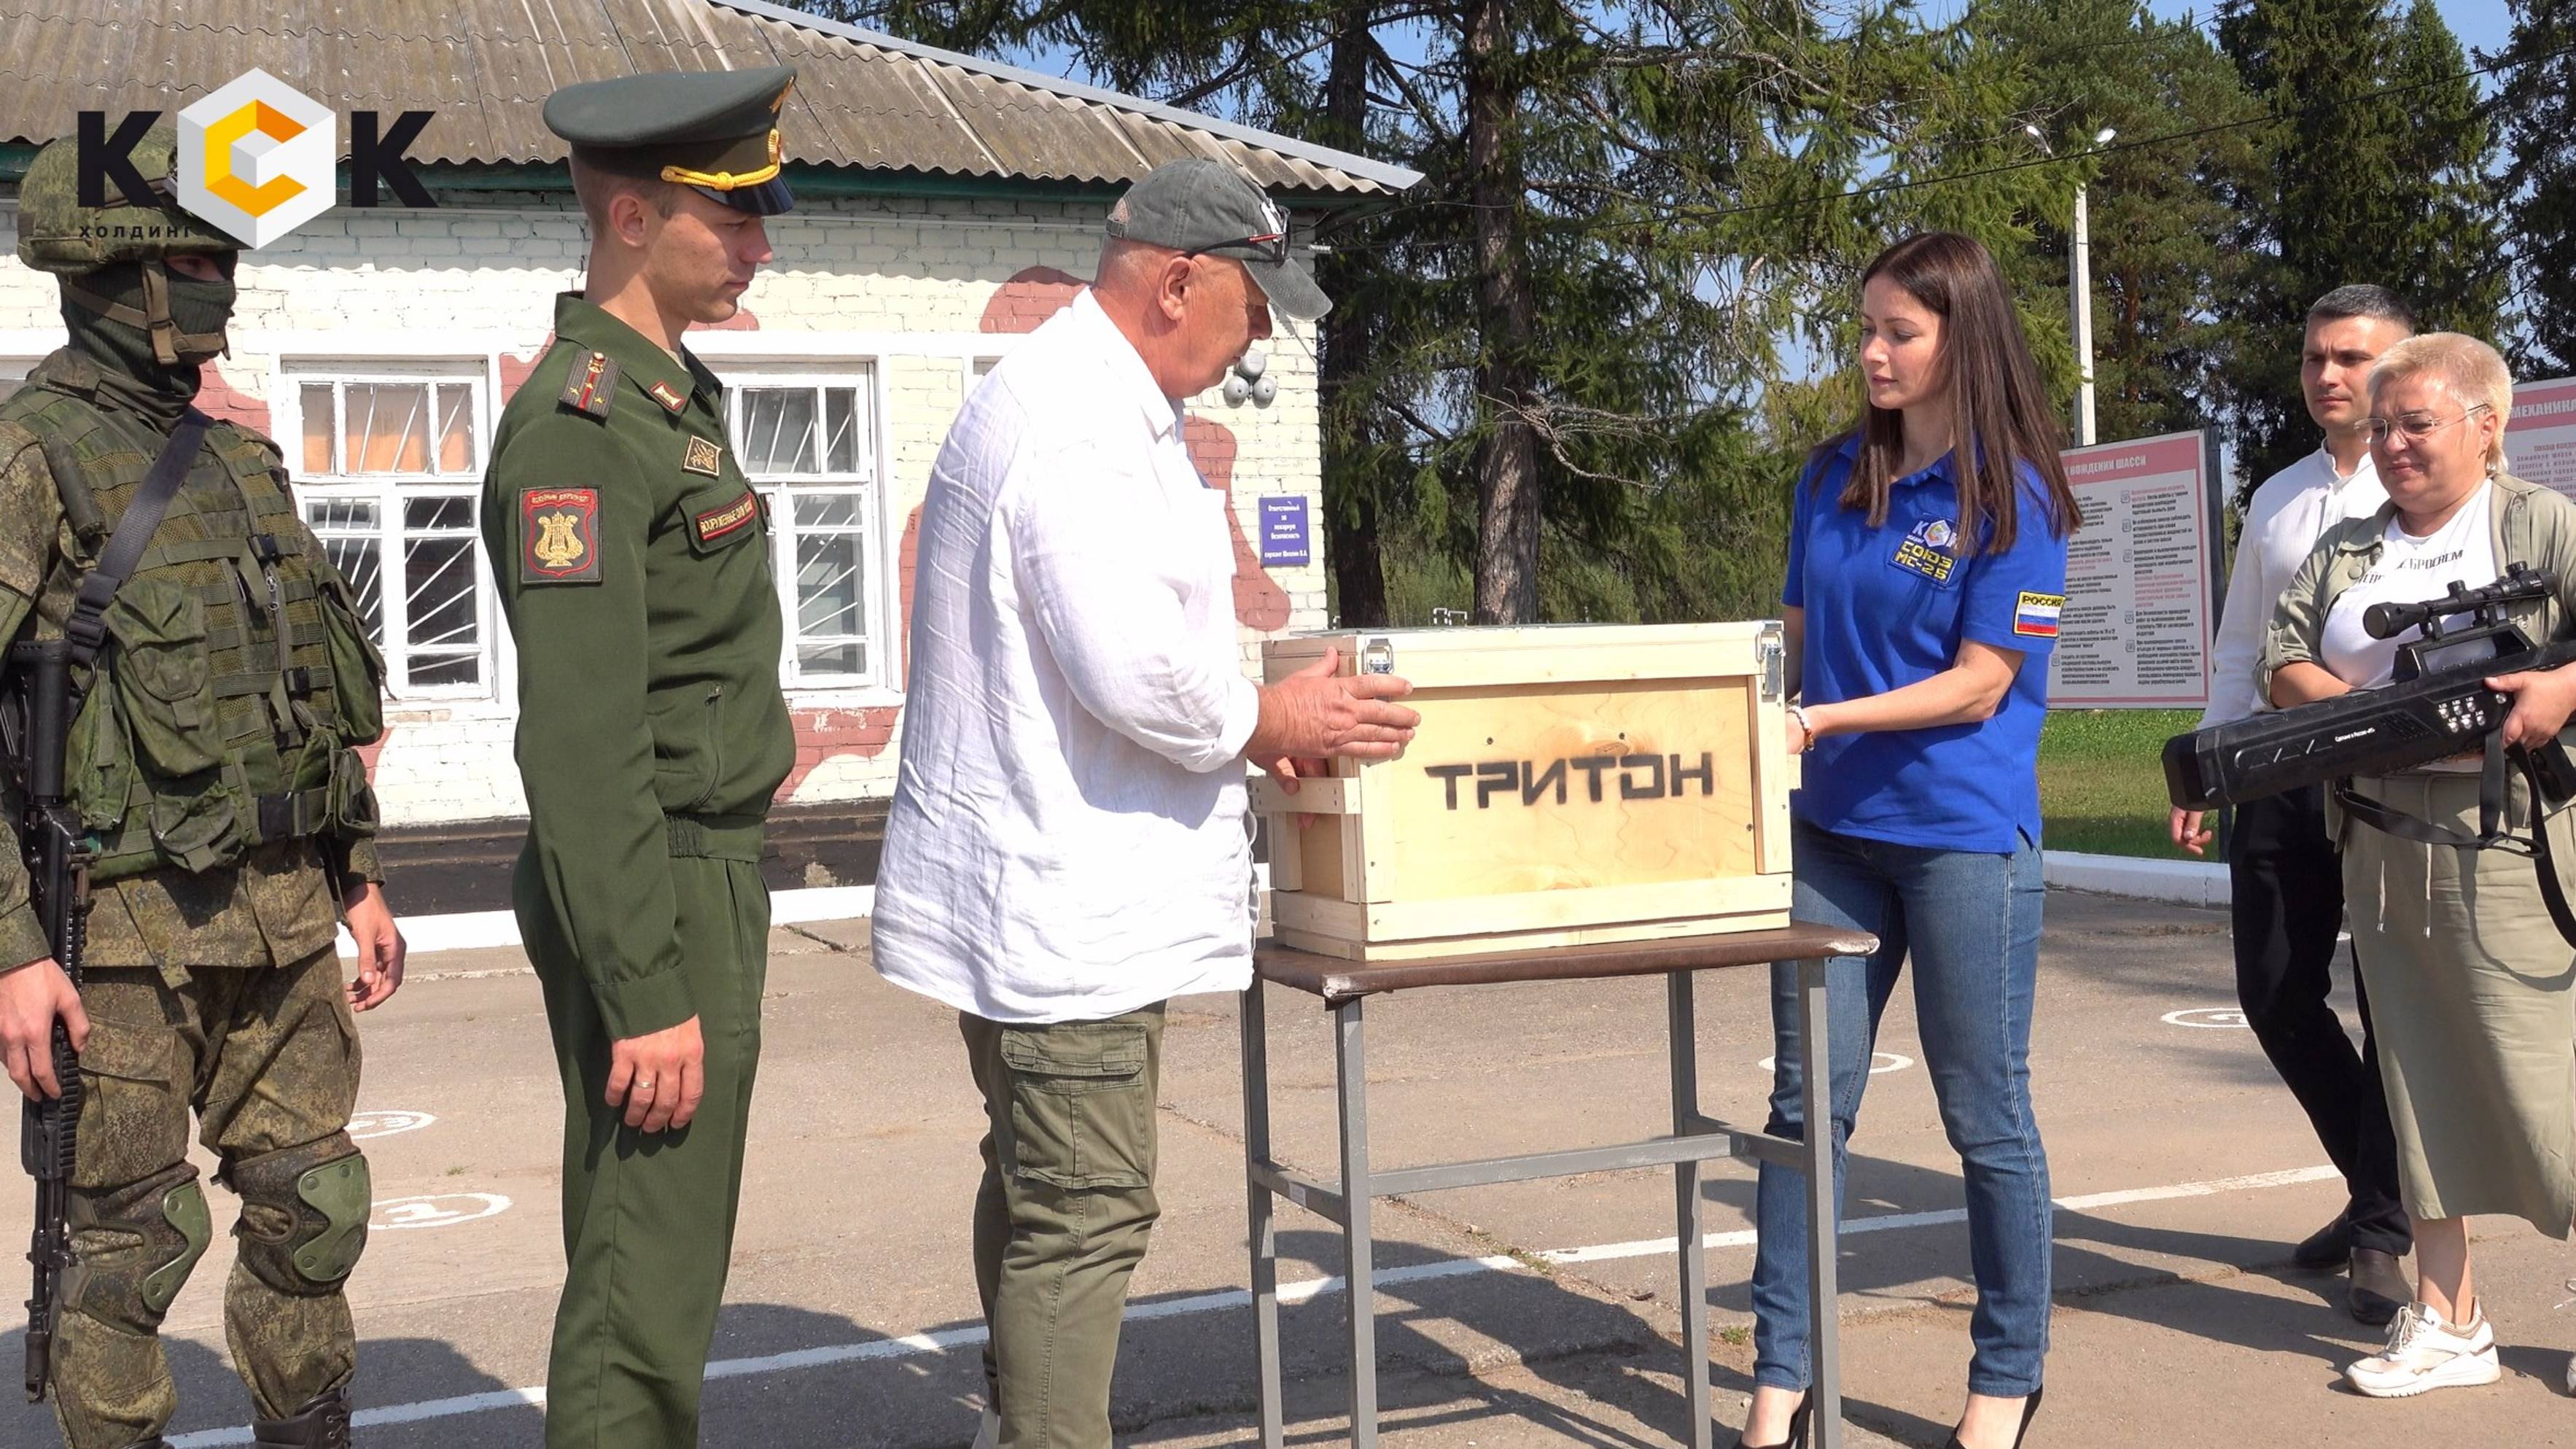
{"x":1926,"y":550}
{"x":2036,"y":615}
{"x":559,"y":536}
{"x":702,"y":457}
{"x":715,"y":523}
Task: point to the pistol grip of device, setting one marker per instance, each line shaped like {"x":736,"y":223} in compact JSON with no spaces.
{"x":2555,"y":772}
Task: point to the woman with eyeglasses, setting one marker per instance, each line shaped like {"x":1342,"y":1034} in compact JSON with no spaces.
{"x":2471,"y":988}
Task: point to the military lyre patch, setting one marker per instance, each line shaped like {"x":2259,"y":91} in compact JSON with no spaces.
{"x":668,"y":396}
{"x":559,"y":536}
{"x":593,"y":385}
{"x":716,"y":523}
{"x":702,"y":457}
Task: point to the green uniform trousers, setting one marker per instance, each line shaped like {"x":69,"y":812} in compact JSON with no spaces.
{"x":648,"y":1218}
{"x":1061,"y":1220}
{"x":267,"y":1058}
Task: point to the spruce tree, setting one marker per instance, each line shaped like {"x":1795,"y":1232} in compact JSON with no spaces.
{"x":2535,"y":105}
{"x":2379,"y":173}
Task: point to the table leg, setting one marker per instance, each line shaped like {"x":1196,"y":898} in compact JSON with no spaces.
{"x":1824,"y":1297}
{"x":1684,"y":1025}
{"x":1265,"y":1235}
{"x":1350,"y":1060}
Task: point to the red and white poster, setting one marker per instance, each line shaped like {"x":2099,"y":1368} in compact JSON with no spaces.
{"x":2138,"y":622}
{"x":2540,"y":441}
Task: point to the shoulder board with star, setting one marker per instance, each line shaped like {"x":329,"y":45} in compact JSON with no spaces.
{"x":592,"y":387}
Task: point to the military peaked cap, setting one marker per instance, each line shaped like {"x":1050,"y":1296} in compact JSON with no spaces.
{"x":714,"y":130}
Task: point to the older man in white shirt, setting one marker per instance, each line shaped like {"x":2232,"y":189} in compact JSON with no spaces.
{"x":1067,"y":847}
{"x":2286,"y":888}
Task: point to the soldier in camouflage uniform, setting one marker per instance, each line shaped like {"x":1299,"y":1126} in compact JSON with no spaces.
{"x":227,"y":813}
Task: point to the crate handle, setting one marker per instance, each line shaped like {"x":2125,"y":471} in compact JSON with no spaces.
{"x":1329,"y":795}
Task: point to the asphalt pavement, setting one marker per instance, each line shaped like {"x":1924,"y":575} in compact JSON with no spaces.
{"x":1522,"y":1315}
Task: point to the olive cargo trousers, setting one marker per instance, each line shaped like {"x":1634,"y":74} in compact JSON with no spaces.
{"x":1061,"y":1220}
{"x":648,"y":1219}
{"x":267,"y":1057}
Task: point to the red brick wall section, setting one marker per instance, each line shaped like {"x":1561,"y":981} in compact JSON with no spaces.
{"x":515,"y":369}
{"x":822,"y":734}
{"x":218,"y":398}
{"x":1029,"y":298}
{"x":1259,"y":602}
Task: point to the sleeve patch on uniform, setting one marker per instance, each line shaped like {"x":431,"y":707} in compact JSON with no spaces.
{"x":2036,"y":615}
{"x":702,"y":457}
{"x":715,"y":523}
{"x":559,"y":535}
{"x":668,"y":396}
{"x":593,"y":385}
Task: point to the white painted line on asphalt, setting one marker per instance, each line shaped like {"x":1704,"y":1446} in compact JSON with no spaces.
{"x":385,"y":1122}
{"x":436,"y":1210}
{"x":1301,"y":1291}
{"x":1880,"y":1063}
{"x":483,"y":930}
{"x":2209,"y":1018}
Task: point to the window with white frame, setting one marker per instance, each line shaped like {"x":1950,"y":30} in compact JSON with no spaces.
{"x":808,"y":443}
{"x":390,"y":467}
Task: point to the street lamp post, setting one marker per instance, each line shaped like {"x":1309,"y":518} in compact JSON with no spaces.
{"x":2080,"y":288}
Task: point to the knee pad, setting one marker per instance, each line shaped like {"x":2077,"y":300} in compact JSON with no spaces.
{"x":304,"y":1214}
{"x":133,"y":1246}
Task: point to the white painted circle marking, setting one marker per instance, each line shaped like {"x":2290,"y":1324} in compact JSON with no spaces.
{"x":387,"y":1123}
{"x":442,"y":1210}
{"x":2209,"y":1018}
{"x":1880,"y":1063}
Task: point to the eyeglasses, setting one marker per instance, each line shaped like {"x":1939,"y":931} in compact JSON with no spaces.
{"x":2415,"y":429}
{"x":1271,"y":247}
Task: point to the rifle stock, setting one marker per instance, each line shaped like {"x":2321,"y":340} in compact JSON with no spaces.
{"x":35,"y":723}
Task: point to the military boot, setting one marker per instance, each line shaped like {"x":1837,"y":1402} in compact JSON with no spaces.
{"x":323,"y":1423}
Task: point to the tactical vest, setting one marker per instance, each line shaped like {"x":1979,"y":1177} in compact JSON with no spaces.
{"x":236,"y":676}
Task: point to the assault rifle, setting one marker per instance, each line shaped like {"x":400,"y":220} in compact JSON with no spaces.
{"x":2437,"y":705}
{"x":35,"y":722}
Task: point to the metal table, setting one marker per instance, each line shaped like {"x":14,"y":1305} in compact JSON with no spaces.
{"x":1345,"y":985}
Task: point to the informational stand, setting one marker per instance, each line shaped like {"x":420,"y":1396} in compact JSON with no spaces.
{"x":2540,"y":442}
{"x":2141,"y":576}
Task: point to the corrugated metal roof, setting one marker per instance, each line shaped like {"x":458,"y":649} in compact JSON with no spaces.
{"x":486,"y":66}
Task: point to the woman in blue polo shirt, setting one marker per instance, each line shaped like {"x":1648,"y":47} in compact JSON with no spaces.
{"x":1927,"y":557}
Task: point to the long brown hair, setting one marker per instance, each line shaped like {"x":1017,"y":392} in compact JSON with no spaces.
{"x":2000,"y":418}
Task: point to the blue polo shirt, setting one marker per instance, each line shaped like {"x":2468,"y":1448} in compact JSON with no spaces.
{"x":1888,"y":606}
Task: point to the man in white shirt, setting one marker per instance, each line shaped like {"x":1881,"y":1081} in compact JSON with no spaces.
{"x":1067,"y":848}
{"x":2286,"y":888}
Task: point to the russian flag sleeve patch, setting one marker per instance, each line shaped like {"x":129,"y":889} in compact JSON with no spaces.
{"x":2036,"y":615}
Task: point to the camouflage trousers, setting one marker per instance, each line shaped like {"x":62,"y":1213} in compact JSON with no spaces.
{"x":267,"y":1059}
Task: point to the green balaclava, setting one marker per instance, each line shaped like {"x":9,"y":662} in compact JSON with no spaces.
{"x":198,"y":309}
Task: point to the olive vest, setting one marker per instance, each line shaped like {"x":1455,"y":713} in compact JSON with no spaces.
{"x":236,"y":674}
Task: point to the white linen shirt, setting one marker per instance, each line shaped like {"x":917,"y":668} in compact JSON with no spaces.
{"x":2283,"y":522}
{"x":1068,"y":836}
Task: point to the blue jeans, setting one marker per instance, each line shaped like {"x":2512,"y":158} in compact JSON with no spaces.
{"x":1971,"y":923}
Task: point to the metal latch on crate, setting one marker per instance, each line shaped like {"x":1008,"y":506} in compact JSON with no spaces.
{"x":1774,"y":648}
{"x":1377,"y":656}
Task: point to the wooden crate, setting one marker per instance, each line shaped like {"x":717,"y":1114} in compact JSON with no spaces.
{"x":1569,"y":784}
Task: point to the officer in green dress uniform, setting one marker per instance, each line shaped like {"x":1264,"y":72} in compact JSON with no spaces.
{"x":630,"y":556}
{"x":229,"y":822}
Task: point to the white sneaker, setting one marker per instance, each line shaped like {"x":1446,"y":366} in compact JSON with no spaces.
{"x":988,"y":1435}
{"x":2425,"y":1353}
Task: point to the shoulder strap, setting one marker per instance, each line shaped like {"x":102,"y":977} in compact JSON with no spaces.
{"x":2544,"y":772}
{"x":86,"y":628}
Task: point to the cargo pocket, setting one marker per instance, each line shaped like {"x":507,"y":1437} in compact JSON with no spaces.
{"x":357,"y":665}
{"x":134,"y":1115}
{"x":161,"y":668}
{"x":1082,"y":1114}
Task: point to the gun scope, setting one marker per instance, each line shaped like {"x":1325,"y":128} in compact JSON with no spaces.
{"x":2521,"y":583}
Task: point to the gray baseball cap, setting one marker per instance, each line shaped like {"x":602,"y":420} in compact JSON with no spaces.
{"x":1207,"y":208}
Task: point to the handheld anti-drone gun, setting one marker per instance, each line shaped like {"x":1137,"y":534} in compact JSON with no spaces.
{"x":2437,"y":706}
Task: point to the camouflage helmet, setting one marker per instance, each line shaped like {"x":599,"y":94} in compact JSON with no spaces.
{"x":57,"y":234}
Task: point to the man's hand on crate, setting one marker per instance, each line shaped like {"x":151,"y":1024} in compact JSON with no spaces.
{"x":1316,"y":714}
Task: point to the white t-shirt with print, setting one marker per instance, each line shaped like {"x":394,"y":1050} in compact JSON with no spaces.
{"x":2410,"y":570}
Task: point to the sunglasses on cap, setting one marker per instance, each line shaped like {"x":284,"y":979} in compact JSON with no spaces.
{"x":1271,"y":247}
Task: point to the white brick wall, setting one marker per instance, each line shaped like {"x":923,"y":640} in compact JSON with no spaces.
{"x":909,"y":286}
